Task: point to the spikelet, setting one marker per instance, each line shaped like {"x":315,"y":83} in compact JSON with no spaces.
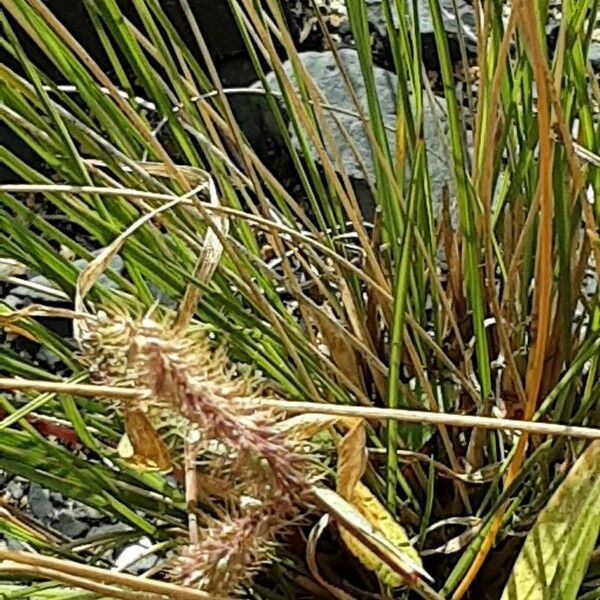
{"x":230,"y":551}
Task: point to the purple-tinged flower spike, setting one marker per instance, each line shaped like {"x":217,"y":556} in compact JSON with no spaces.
{"x":263,"y":474}
{"x":168,"y":380}
{"x":229,"y":553}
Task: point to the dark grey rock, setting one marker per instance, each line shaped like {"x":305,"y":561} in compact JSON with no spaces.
{"x":58,"y":500}
{"x":47,"y":357}
{"x":39,"y":502}
{"x":465,"y":23}
{"x":144,"y":564}
{"x":335,"y":17}
{"x":462,"y":21}
{"x":106,"y":530}
{"x":323,"y":68}
{"x":458,"y":19}
{"x":68,"y":525}
{"x":84,"y":512}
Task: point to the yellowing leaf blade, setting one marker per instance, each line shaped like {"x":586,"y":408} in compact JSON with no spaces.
{"x":350,"y":468}
{"x":376,"y":514}
{"x":553,"y":560}
{"x":144,"y":442}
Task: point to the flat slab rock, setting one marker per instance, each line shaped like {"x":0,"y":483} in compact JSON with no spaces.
{"x":324,"y":70}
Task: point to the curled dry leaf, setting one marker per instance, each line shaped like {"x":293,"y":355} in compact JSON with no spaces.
{"x":208,"y":259}
{"x":146,"y":444}
{"x":457,"y":543}
{"x":92,"y":272}
{"x":311,"y":559}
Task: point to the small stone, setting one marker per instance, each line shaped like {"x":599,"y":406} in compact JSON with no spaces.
{"x":106,"y":530}
{"x":84,"y":512}
{"x":47,"y":357}
{"x":15,"y":489}
{"x":15,"y":545}
{"x":39,"y":501}
{"x":134,"y":559}
{"x":594,"y":55}
{"x":57,"y":499}
{"x":69,"y":526}
{"x":13,"y":301}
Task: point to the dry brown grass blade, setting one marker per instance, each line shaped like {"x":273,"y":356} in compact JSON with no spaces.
{"x":58,"y":567}
{"x":433,"y":418}
{"x":201,"y":180}
{"x":343,"y":354}
{"x":371,"y":414}
{"x":10,"y":268}
{"x":10,"y":318}
{"x":23,"y":522}
{"x":92,"y":272}
{"x":485,"y":191}
{"x":352,"y":459}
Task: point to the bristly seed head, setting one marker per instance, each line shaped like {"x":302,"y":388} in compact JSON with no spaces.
{"x":194,"y":391}
{"x":228,"y":555}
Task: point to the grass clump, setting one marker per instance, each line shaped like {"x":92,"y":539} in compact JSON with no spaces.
{"x":467,"y":302}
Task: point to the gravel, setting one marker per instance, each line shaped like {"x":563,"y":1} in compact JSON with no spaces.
{"x":39,"y":502}
{"x":305,"y":25}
